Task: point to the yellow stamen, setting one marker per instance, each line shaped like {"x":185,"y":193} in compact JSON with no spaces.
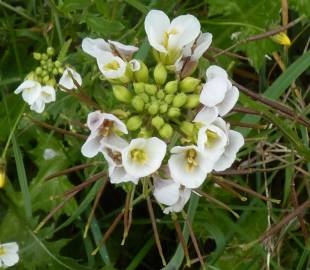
{"x":2,"y":251}
{"x":139,"y":156}
{"x":212,"y":137}
{"x":167,"y":35}
{"x":114,"y":65}
{"x":191,"y":155}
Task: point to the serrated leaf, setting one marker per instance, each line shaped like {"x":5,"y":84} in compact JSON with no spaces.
{"x":103,"y":26}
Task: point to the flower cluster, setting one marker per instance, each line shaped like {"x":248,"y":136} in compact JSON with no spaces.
{"x":8,"y":254}
{"x":167,"y":126}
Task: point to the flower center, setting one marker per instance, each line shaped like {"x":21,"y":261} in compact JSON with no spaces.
{"x":2,"y":251}
{"x":167,"y":35}
{"x":191,"y":162}
{"x":139,"y":156}
{"x":113,"y":65}
{"x":106,"y":128}
{"x":212,"y":138}
{"x":116,"y":156}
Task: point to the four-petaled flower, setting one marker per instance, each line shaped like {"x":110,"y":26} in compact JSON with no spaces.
{"x":8,"y":254}
{"x":70,"y":79}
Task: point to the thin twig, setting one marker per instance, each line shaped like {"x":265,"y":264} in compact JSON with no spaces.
{"x":126,"y":214}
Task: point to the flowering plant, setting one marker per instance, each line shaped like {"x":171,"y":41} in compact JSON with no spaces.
{"x":166,"y":130}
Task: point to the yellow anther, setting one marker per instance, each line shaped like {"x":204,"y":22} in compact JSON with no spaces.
{"x":2,"y":251}
{"x":114,"y":65}
{"x":211,"y":137}
{"x":191,"y":155}
{"x":138,"y":155}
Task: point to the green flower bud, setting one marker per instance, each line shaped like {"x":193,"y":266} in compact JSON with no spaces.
{"x":171,"y":87}
{"x":44,"y":73}
{"x":169,"y":99}
{"x":179,"y":100}
{"x":189,"y":84}
{"x":39,"y":70}
{"x":160,"y":74}
{"x":55,"y":71}
{"x":192,"y":101}
{"x":61,"y":70}
{"x":45,"y":79}
{"x":151,"y":89}
{"x":174,"y":112}
{"x":37,"y":56}
{"x":51,"y":82}
{"x":57,"y":64}
{"x":158,"y":122}
{"x":134,"y":123}
{"x":142,"y":75}
{"x":43,"y":63}
{"x":187,"y":128}
{"x":166,"y":131}
{"x":144,"y":97}
{"x":121,"y":93}
{"x":44,"y":56}
{"x":31,"y":76}
{"x":160,"y":94}
{"x":50,"y":51}
{"x":145,"y":133}
{"x":153,"y":108}
{"x":138,"y":103}
{"x":138,"y":87}
{"x":163,"y":108}
{"x":120,"y":113}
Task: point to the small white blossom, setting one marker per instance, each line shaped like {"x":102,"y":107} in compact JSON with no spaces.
{"x":171,"y":194}
{"x":111,"y":66}
{"x":49,"y":154}
{"x":66,"y":79}
{"x":8,"y":254}
{"x":143,"y":156}
{"x":218,"y":92}
{"x":134,"y":65}
{"x":102,"y":127}
{"x":124,"y":51}
{"x":165,"y":36}
{"x":95,"y":47}
{"x":189,"y":166}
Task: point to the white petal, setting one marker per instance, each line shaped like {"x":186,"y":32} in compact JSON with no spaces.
{"x":49,"y":154}
{"x":156,"y":24}
{"x":166,"y":191}
{"x":94,"y":120}
{"x":179,"y":205}
{"x":11,"y":247}
{"x":114,"y":142}
{"x":203,"y":44}
{"x":187,"y":28}
{"x":206,"y":115}
{"x":121,"y":176}
{"x":95,"y":47}
{"x":216,"y":71}
{"x":213,"y":91}
{"x":66,"y":79}
{"x":38,"y":106}
{"x":134,"y":65}
{"x":154,"y":149}
{"x":108,"y":58}
{"x":31,"y":91}
{"x":229,"y":101}
{"x":48,"y":94}
{"x":119,"y":124}
{"x":9,"y":259}
{"x":236,"y":141}
{"x":91,"y":147}
{"x":122,"y":49}
{"x":111,"y":163}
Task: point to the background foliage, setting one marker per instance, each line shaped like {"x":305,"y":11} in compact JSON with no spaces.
{"x":275,"y":161}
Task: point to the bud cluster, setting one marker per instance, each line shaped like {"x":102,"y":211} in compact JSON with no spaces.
{"x":158,"y":104}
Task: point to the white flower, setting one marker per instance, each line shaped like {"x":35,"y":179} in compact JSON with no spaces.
{"x":213,"y":138}
{"x":111,"y":66}
{"x":124,"y":51}
{"x":134,"y":65}
{"x":170,"y":193}
{"x":165,"y":36}
{"x":31,"y":91}
{"x":102,"y":127}
{"x":143,"y":156}
{"x":113,"y":156}
{"x":67,"y":81}
{"x":49,"y":154}
{"x":235,"y":142}
{"x":218,"y":92}
{"x":189,"y":166}
{"x":8,"y":254}
{"x":36,"y":95}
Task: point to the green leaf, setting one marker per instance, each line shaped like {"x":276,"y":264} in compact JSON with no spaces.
{"x":138,"y":5}
{"x":103,"y":26}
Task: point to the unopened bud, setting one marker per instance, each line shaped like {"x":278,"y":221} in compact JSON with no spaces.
{"x":145,"y":97}
{"x":44,"y":56}
{"x":55,"y":71}
{"x":169,"y":99}
{"x":57,"y":63}
{"x":31,"y":76}
{"x":138,"y":87}
{"x":153,"y":108}
{"x":134,"y":123}
{"x":45,"y":79}
{"x":138,"y":103}
{"x":163,"y":108}
{"x":145,"y":133}
{"x":171,"y":87}
{"x":120,"y":113}
{"x":187,"y":128}
{"x":37,"y":56}
{"x":151,"y":89}
{"x":160,"y":74}
{"x":282,"y":39}
{"x":158,"y":122}
{"x":160,"y":94}
{"x":61,"y":70}
{"x":142,"y":75}
{"x":179,"y":100}
{"x":121,"y":93}
{"x":50,"y":51}
{"x":174,"y":112}
{"x":39,"y":70}
{"x":192,"y":101}
{"x":51,"y":82}
{"x":189,"y":84}
{"x":166,"y":131}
